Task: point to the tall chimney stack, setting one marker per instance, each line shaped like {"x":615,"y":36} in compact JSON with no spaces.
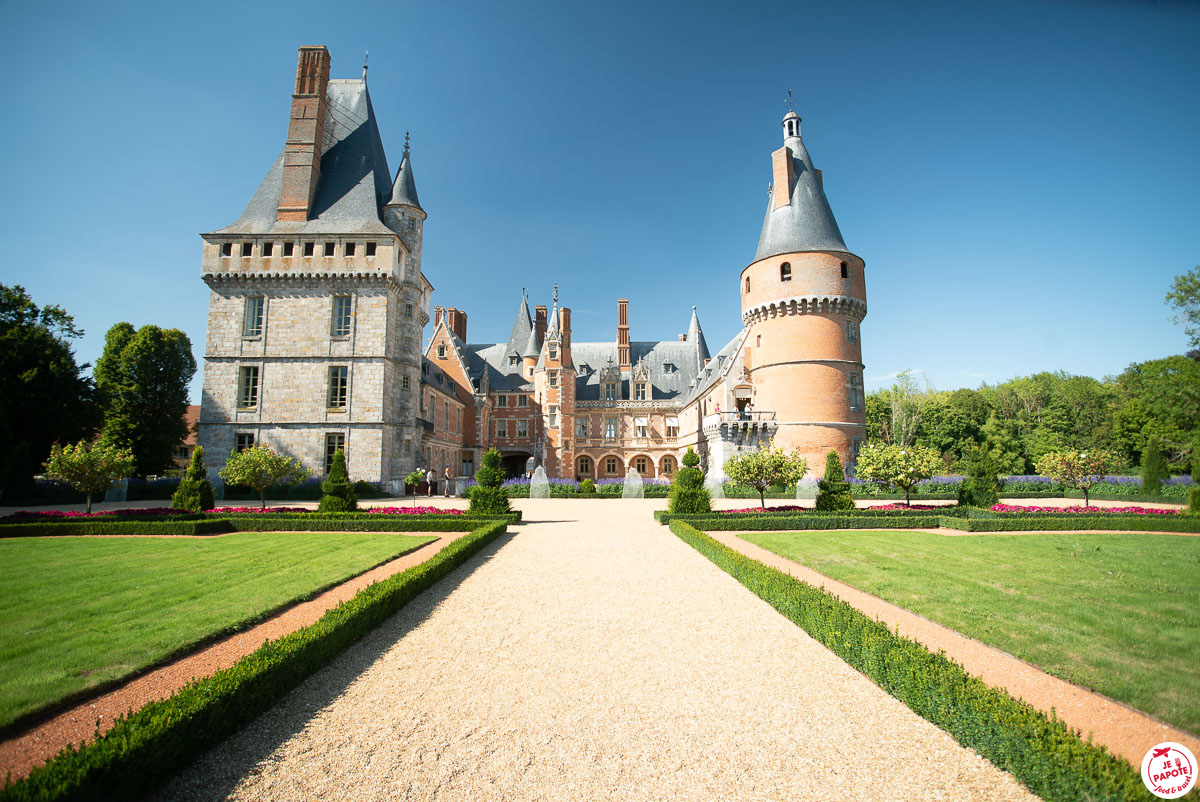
{"x":783,"y":173}
{"x":539,"y":322}
{"x":302,"y":153}
{"x":623,"y":333}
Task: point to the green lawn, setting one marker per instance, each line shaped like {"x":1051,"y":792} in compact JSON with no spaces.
{"x":1116,"y":613}
{"x":80,"y":612}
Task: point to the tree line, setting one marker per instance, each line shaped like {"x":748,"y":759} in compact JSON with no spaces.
{"x":135,"y":399}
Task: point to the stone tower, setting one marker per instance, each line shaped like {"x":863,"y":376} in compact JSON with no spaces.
{"x":803,"y":299}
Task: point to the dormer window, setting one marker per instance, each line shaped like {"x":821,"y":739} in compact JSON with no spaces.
{"x":350,"y":248}
{"x":640,"y":391}
{"x":289,"y":248}
{"x":512,"y":361}
{"x":785,"y":272}
{"x":610,"y":391}
{"x":441,"y":351}
{"x":268,"y":249}
{"x":370,"y":249}
{"x":309,"y":248}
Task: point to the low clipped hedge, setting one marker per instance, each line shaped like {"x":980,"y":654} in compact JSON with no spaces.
{"x":1044,"y":522}
{"x":99,"y":526}
{"x":147,"y":747}
{"x":842,"y":518}
{"x":1043,"y":753}
{"x":792,"y":523}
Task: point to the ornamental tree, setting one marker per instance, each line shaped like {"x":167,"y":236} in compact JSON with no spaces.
{"x":337,"y":490}
{"x":89,"y":470}
{"x":259,"y":467}
{"x":767,"y":466}
{"x":898,"y":466}
{"x":195,"y":492}
{"x":413,"y":479}
{"x":1079,"y":470}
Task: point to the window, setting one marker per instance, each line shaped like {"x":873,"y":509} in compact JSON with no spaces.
{"x":856,"y":391}
{"x":642,"y":426}
{"x":405,"y":383}
{"x":468,"y":463}
{"x":329,"y":248}
{"x":333,"y":443}
{"x":227,"y":249}
{"x":641,"y":464}
{"x":408,"y":311}
{"x":610,"y":391}
{"x":757,"y":340}
{"x":553,"y":416}
{"x":309,"y":248}
{"x":672,"y":424}
{"x":845,"y":270}
{"x":408,"y":343}
{"x":785,"y":272}
{"x":268,"y":249}
{"x":412,"y":224}
{"x":668,"y":465}
{"x":242,"y":441}
{"x":552,"y":378}
{"x":502,"y":428}
{"x":566,"y":445}
{"x":851,"y":331}
{"x":581,"y":428}
{"x":668,"y":367}
{"x":585,"y":465}
{"x":446,"y":415}
{"x":512,"y":361}
{"x":339,"y":383}
{"x":458,"y":420}
{"x":289,"y":248}
{"x":247,"y":249}
{"x":350,"y":248}
{"x":522,"y":400}
{"x":552,"y":351}
{"x":341,"y":316}
{"x":522,"y":428}
{"x":248,"y":387}
{"x":501,"y":400}
{"x":252,"y":320}
{"x":855,"y":447}
{"x":639,"y":393}
{"x":370,"y":249}
{"x":610,"y":428}
{"x":747,"y":284}
{"x":441,"y":351}
{"x":610,"y":465}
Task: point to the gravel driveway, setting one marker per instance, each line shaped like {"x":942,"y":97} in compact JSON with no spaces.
{"x":590,"y":654}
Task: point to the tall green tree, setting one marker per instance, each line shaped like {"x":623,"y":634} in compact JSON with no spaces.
{"x":43,"y":395}
{"x":142,"y":378}
{"x":1158,"y":405}
{"x":1184,"y":300}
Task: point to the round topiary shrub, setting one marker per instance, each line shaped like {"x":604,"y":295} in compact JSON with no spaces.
{"x":687,"y":494}
{"x":587,"y":487}
{"x":487,"y":497}
{"x":339,"y":495}
{"x":833,"y":491}
{"x":195,"y":492}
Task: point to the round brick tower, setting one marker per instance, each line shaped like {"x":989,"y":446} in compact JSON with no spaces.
{"x":803,"y":298}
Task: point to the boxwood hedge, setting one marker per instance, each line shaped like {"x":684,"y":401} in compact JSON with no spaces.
{"x":145,"y":748}
{"x":1042,"y":752}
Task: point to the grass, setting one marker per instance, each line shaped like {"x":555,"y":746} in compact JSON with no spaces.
{"x":1113,"y":612}
{"x":80,"y":613}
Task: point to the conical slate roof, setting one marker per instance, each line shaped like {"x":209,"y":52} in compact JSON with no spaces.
{"x":807,"y":223}
{"x":404,"y":188}
{"x":521,"y":329}
{"x":696,"y":336}
{"x":532,"y":346}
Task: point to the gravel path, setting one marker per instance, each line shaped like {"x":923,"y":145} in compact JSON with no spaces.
{"x":590,"y":654}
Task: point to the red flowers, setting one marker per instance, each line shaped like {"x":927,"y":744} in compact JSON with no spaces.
{"x":1086,"y":510}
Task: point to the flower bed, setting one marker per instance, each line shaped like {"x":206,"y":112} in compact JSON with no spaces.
{"x":941,"y":507}
{"x":1078,"y":510}
{"x":33,"y":516}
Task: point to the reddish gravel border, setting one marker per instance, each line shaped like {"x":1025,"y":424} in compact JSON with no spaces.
{"x":33,"y":747}
{"x":1125,"y":731}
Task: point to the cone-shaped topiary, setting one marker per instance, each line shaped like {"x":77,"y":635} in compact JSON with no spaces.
{"x":1154,"y":471}
{"x":339,"y":495}
{"x":487,"y":497}
{"x":833,"y":491}
{"x":981,"y":486}
{"x":195,"y":492}
{"x":687,"y":494}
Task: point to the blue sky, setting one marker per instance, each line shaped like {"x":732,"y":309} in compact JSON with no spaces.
{"x":1021,"y":178}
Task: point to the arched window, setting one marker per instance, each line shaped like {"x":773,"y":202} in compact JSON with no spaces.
{"x":585,"y":466}
{"x":641,"y":464}
{"x":845,"y":270}
{"x":668,"y":465}
{"x":785,"y":272}
{"x":747,"y":284}
{"x":610,"y":465}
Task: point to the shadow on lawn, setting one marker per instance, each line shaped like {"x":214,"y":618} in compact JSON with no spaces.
{"x":237,"y":756}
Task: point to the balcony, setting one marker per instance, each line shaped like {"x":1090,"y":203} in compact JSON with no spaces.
{"x":739,"y":425}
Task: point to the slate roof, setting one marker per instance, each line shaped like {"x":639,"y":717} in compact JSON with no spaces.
{"x":493,"y":359}
{"x":355,"y":180}
{"x":404,"y":188}
{"x":807,"y":223}
{"x":671,"y":364}
{"x":434,"y":376}
{"x":717,"y":367}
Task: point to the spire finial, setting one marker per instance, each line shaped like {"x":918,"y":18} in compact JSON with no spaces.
{"x":790,"y":103}
{"x":406,"y":137}
{"x":556,"y":293}
{"x":365,"y":53}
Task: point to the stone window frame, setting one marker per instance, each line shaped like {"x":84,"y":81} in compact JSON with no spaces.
{"x":226,"y":250}
{"x":334,"y":441}
{"x":247,"y":250}
{"x":441,"y":351}
{"x":341,"y":316}
{"x":552,"y":351}
{"x":243,"y":440}
{"x":502,"y":400}
{"x":584,"y":465}
{"x":552,"y":415}
{"x":405,"y":383}
{"x":640,"y":391}
{"x":268,"y":249}
{"x":522,"y":401}
{"x":522,"y":429}
{"x":249,"y":387}
{"x":350,"y":249}
{"x":612,"y":429}
{"x":854,"y":387}
{"x":254,"y":316}
{"x":611,"y":466}
{"x":552,"y":378}
{"x":289,"y":250}
{"x":668,"y":464}
{"x":338,"y":397}
{"x":851,"y":330}
{"x":408,"y":311}
{"x":785,"y":272}
{"x":610,"y":391}
{"x":502,"y":427}
{"x":581,"y":428}
{"x":310,"y":249}
{"x":641,"y":464}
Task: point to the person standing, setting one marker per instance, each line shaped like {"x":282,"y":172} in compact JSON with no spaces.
{"x":429,"y":480}
{"x":447,"y":478}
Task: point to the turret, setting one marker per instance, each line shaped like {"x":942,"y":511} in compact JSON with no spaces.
{"x":403,"y":213}
{"x":803,"y":298}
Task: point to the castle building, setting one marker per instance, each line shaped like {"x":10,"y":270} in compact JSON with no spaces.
{"x":318,"y":304}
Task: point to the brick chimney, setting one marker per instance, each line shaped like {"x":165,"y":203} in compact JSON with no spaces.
{"x":564,"y":324}
{"x":302,"y":154}
{"x":456,"y":319}
{"x":783,"y":173}
{"x":623,"y":333}
{"x":438,"y":313}
{"x":539,"y":322}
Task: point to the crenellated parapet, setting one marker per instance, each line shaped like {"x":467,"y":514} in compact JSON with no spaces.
{"x":806,"y":305}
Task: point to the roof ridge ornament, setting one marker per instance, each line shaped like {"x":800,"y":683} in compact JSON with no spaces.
{"x":790,"y":103}
{"x":365,"y":54}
